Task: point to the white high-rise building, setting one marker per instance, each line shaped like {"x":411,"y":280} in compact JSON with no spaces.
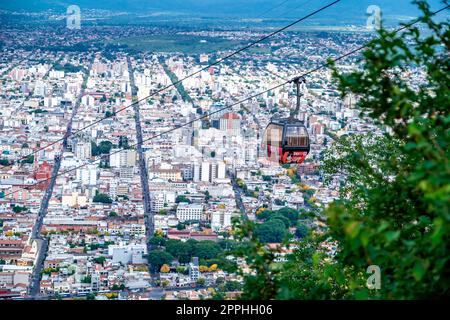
{"x":83,"y":150}
{"x":88,"y":100}
{"x":205,"y":172}
{"x":220,"y":219}
{"x":126,"y":173}
{"x":209,"y":171}
{"x":124,"y":158}
{"x":162,"y":200}
{"x":87,"y":175}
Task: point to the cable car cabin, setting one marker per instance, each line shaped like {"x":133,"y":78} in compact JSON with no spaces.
{"x":286,"y":141}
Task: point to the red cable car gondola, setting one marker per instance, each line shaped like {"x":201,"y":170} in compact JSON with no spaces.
{"x":286,"y":141}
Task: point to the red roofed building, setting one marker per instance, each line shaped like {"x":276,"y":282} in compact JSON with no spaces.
{"x":11,"y":249}
{"x":186,"y":234}
{"x":43,"y":172}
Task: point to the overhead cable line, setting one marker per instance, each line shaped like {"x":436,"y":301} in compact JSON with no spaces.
{"x":186,"y":77}
{"x":323,"y":65}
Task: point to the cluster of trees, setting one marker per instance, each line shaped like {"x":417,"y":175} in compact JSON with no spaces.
{"x":225,"y":286}
{"x":5,"y":162}
{"x":208,"y":252}
{"x":182,"y":198}
{"x":103,"y":148}
{"x":50,"y":270}
{"x":102,"y":198}
{"x":184,"y":251}
{"x":273,"y":230}
{"x":95,"y":246}
{"x":19,"y":209}
{"x":29,"y":159}
{"x":292,"y":173}
{"x":100,"y":260}
{"x":116,"y":287}
{"x":109,"y":114}
{"x":112,"y":214}
{"x":276,"y":224}
{"x":67,"y":67}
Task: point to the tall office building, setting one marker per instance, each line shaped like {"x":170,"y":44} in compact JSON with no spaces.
{"x":87,"y":175}
{"x":83,"y":150}
{"x":124,"y":158}
{"x":208,"y":171}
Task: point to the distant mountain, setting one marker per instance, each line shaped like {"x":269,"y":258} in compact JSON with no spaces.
{"x":345,"y":12}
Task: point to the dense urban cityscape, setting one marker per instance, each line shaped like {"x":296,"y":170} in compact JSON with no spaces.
{"x":121,"y":174}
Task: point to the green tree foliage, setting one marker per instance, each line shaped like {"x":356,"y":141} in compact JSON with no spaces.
{"x":182,"y":198}
{"x":184,"y":251}
{"x":232,"y":286}
{"x":397,"y":211}
{"x":280,"y":217}
{"x":90,"y":296}
{"x":100,"y":260}
{"x":157,"y":241}
{"x":102,"y":198}
{"x":393,"y":209}
{"x":272,"y":230}
{"x":262,"y":283}
{"x":206,"y":249}
{"x":301,"y":231}
{"x":201,"y":282}
{"x":284,"y":214}
{"x":112,"y":214}
{"x":103,"y":148}
{"x":19,"y":209}
{"x":290,"y":214}
{"x":181,"y":226}
{"x":158,"y":257}
{"x":29,"y":159}
{"x":180,"y":250}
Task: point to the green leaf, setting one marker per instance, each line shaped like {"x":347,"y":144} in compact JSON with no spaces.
{"x":420,"y":269}
{"x":392,"y":235}
{"x":352,"y":229}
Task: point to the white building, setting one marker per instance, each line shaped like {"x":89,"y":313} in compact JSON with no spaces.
{"x":124,"y":158}
{"x":186,"y":211}
{"x":162,"y":200}
{"x":126,"y":254}
{"x":209,"y":171}
{"x":194,"y":272}
{"x":83,"y":150}
{"x":220,"y":219}
{"x":126,"y":173}
{"x":87,"y":175}
{"x":88,"y":100}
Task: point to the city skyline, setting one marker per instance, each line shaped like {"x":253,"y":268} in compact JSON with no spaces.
{"x":140,"y":158}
